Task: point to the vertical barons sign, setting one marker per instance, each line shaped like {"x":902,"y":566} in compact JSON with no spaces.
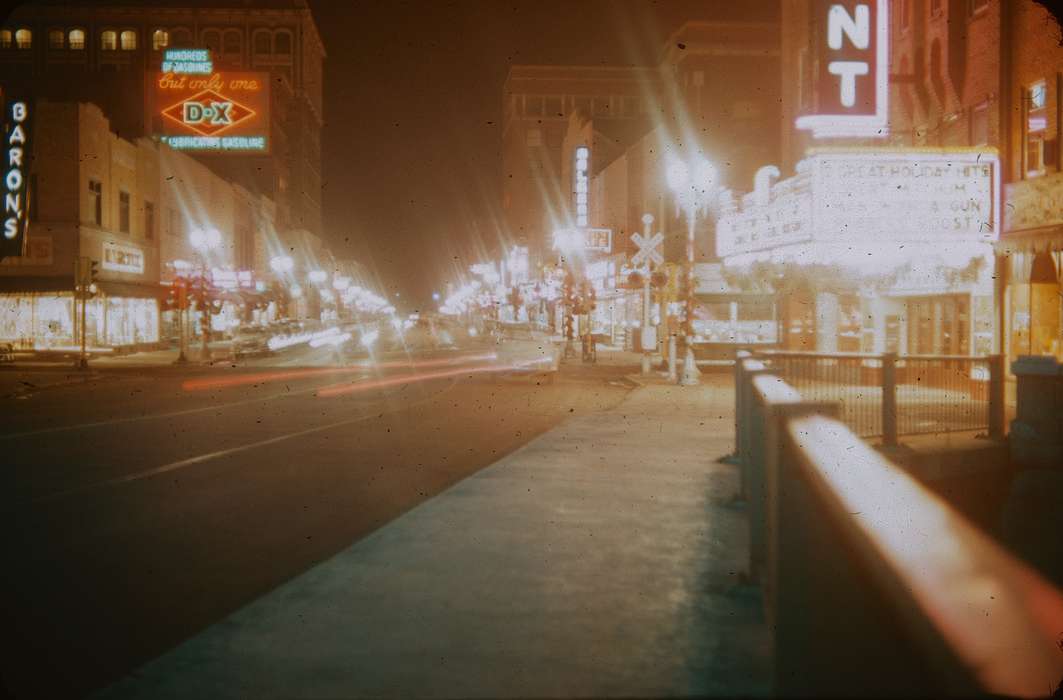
{"x":15,"y":188}
{"x":852,"y":63}
{"x":206,"y":110}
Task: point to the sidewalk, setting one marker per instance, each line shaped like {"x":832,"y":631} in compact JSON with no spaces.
{"x":600,"y":560}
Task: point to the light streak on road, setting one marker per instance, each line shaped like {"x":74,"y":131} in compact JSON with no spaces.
{"x":347,"y":388}
{"x":208,"y":383}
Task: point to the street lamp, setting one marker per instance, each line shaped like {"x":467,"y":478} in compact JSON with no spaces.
{"x":281,"y":263}
{"x":694,"y":184}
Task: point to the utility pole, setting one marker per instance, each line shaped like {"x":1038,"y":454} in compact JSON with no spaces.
{"x":84,"y":287}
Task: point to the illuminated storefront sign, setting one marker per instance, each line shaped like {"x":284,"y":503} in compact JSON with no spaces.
{"x":884,"y":204}
{"x":122,"y":258}
{"x":187,"y":61}
{"x":1034,"y":203}
{"x":17,"y":149}
{"x":585,"y":239}
{"x":580,"y":182}
{"x":852,"y":86}
{"x":216,"y":112}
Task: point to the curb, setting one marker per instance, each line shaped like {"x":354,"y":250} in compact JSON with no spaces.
{"x":37,"y":388}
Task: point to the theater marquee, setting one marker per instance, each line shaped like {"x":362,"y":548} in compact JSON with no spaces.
{"x":223,"y":111}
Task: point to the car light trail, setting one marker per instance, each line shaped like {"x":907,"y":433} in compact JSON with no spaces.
{"x":339,"y":389}
{"x":207,"y":383}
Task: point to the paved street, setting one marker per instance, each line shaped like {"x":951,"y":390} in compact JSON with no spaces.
{"x":147,"y":503}
{"x":602,"y":559}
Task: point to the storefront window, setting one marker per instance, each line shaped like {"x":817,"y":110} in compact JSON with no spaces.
{"x":131,"y":321}
{"x":37,"y":321}
{"x":1035,"y":309}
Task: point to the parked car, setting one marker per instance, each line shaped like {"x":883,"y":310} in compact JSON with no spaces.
{"x":524,"y":348}
{"x":251,"y":341}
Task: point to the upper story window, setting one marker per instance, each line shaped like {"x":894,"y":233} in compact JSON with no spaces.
{"x":160,"y":39}
{"x":904,"y":15}
{"x":23,"y":38}
{"x":211,"y":39}
{"x":1035,"y":127}
{"x":5,"y":38}
{"x":232,"y":43}
{"x":55,"y":39}
{"x":282,"y":43}
{"x":123,"y":212}
{"x":182,"y":38}
{"x":109,"y":40}
{"x":96,"y":198}
{"x":76,"y":39}
{"x":261,"y":43}
{"x":128,"y":40}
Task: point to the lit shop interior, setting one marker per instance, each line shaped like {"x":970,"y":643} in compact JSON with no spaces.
{"x":1034,"y":303}
{"x":52,"y":321}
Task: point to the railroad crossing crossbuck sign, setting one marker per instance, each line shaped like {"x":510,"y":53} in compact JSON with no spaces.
{"x":648,"y":249}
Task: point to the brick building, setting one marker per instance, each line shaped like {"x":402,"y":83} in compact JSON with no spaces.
{"x":134,"y":206}
{"x":110,"y":53}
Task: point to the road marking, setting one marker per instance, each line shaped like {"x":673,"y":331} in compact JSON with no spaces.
{"x":156,"y":416}
{"x":199,"y":459}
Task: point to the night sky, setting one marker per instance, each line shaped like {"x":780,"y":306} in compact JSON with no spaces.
{"x":413,"y":100}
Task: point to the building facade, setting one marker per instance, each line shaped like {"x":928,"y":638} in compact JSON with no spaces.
{"x":138,"y":209}
{"x":881,"y":239}
{"x":1031,"y":244}
{"x":111,"y":55}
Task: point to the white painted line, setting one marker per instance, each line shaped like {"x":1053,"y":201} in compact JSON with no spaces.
{"x":199,"y":459}
{"x":169,"y":414}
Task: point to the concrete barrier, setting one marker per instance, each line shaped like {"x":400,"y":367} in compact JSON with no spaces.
{"x":872,"y":584}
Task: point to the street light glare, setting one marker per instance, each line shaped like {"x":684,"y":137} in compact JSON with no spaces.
{"x":676,"y":173}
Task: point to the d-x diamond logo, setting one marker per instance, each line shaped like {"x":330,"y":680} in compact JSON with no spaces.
{"x":208,"y":113}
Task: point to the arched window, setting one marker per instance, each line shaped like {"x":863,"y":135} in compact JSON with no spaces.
{"x":76,"y":39}
{"x":232,"y":43}
{"x":282,"y":43}
{"x":129,"y":40}
{"x":5,"y":38}
{"x":160,"y":39}
{"x":109,"y":40}
{"x":182,"y":38}
{"x":55,"y":38}
{"x":261,"y":42}
{"x":23,"y":38}
{"x":211,"y":39}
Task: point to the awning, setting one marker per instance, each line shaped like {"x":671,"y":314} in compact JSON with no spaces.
{"x":35,"y":284}
{"x":44,"y":285}
{"x":1034,"y":240}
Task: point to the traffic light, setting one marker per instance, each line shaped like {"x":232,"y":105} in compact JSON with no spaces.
{"x":515,"y":299}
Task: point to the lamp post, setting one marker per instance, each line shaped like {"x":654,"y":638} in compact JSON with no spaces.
{"x":693,"y":183}
{"x":281,"y":266}
{"x":204,"y":241}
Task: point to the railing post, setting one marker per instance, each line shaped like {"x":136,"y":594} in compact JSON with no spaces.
{"x":740,"y":397}
{"x":889,"y":399}
{"x":996,"y":397}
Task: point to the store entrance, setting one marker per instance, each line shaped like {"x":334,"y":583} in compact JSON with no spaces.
{"x":939,"y":325}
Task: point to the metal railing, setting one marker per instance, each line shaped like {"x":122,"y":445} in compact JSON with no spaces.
{"x":890,"y":395}
{"x":872,"y":585}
